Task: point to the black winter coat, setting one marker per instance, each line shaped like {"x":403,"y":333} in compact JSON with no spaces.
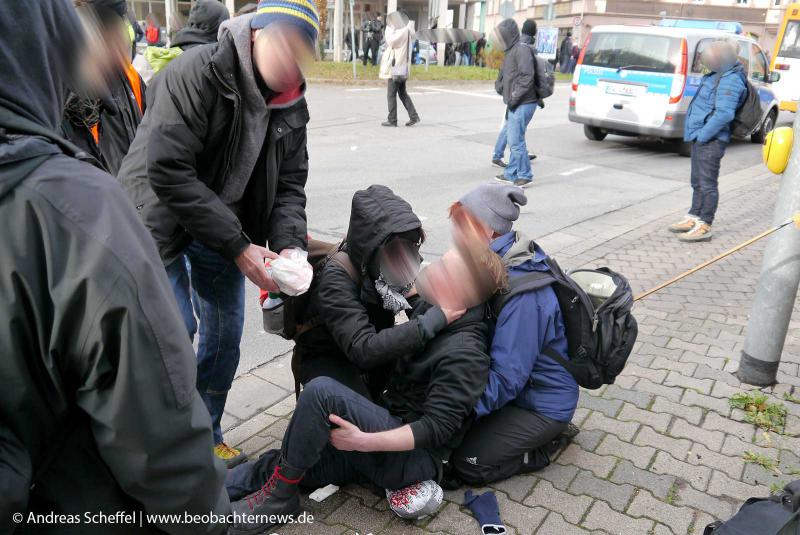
{"x":436,"y":389}
{"x":184,"y":151}
{"x":353,"y":325}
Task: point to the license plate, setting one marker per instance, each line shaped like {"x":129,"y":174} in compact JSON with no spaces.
{"x":624,"y":90}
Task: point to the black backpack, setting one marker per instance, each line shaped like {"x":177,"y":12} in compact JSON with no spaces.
{"x":748,"y":114}
{"x":544,"y":78}
{"x":777,"y":515}
{"x":600,"y":331}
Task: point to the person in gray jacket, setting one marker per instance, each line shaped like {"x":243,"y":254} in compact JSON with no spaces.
{"x":516,"y":82}
{"x":98,"y":409}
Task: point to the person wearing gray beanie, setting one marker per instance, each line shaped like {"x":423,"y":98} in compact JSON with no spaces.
{"x":525,"y":410}
{"x":497,"y":205}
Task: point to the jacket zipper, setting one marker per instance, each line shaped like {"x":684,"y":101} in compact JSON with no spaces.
{"x":233,"y":141}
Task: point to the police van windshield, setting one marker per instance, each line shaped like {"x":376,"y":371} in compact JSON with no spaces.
{"x":633,"y":51}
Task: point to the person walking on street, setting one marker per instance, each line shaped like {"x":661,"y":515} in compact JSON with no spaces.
{"x":395,"y":69}
{"x":565,"y":52}
{"x":218,"y":170}
{"x":98,"y":406}
{"x":708,"y":129}
{"x":516,"y":82}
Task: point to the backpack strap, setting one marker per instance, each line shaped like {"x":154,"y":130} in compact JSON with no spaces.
{"x":343,"y":260}
{"x":522,"y":284}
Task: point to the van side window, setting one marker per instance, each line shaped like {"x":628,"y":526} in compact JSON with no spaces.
{"x":758,"y":63}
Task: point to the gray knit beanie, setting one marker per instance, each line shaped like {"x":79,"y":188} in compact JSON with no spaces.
{"x":497,"y":205}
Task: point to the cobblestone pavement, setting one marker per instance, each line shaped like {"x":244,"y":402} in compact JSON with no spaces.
{"x":661,"y":451}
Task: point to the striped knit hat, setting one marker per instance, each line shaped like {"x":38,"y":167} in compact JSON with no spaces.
{"x":302,"y":14}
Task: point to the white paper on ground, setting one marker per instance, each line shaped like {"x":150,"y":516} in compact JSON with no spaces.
{"x":320,"y":494}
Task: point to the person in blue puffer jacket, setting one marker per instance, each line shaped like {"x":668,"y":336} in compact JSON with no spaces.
{"x":708,"y":128}
{"x":526,"y":408}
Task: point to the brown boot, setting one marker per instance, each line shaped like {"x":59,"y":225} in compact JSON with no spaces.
{"x":700,"y":232}
{"x":684,"y":225}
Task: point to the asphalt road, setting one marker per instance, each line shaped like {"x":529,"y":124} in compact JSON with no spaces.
{"x":435,"y":162}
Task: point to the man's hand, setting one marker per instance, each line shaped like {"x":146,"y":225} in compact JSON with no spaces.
{"x":251,"y":263}
{"x":348,"y":437}
{"x":453,"y":315}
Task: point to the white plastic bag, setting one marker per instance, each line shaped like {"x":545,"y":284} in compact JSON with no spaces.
{"x":291,"y":272}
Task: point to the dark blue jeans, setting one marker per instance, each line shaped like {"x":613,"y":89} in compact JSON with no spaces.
{"x":212,"y":287}
{"x":519,"y":165}
{"x":306,"y":446}
{"x":706,"y":158}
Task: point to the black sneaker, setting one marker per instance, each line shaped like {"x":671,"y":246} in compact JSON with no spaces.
{"x":412,"y":122}
{"x":563,"y":439}
{"x":503,"y":179}
{"x":278,"y":498}
{"x":531,"y":157}
{"x":499,"y":163}
{"x":388,"y":123}
{"x":522,"y":183}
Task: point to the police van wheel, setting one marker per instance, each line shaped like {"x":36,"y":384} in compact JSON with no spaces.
{"x":760,"y":135}
{"x":593,"y":133}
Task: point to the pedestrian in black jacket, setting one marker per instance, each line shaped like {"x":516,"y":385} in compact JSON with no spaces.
{"x":218,"y":171}
{"x":104,"y":125}
{"x":98,"y":409}
{"x":399,"y":443}
{"x":355,"y":339}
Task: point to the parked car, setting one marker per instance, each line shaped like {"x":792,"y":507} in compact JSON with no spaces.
{"x":639,"y":81}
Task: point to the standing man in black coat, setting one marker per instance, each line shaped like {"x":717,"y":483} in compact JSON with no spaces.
{"x":218,"y":171}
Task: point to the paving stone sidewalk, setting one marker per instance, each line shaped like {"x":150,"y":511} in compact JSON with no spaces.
{"x":661,"y":451}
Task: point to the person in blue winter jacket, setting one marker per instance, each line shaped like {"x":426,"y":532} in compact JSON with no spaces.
{"x":526,"y":408}
{"x":708,"y":128}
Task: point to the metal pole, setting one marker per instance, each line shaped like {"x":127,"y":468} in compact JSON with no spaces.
{"x":338,"y":26}
{"x":353,"y":44}
{"x":777,"y":285}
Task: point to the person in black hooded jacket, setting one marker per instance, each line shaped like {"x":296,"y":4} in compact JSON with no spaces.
{"x":98,"y":409}
{"x":105,"y":125}
{"x":355,"y":339}
{"x":204,"y":20}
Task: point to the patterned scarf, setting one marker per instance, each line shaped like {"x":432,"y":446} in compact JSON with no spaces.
{"x":392,"y":296}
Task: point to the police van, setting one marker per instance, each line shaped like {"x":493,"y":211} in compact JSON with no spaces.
{"x":639,"y":80}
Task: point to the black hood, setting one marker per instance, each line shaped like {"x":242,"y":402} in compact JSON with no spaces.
{"x":39,"y":44}
{"x":508,"y":33}
{"x":376,"y":214}
{"x":204,"y":20}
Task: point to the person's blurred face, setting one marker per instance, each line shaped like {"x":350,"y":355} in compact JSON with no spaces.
{"x":280,"y":53}
{"x":399,"y":262}
{"x":105,"y":49}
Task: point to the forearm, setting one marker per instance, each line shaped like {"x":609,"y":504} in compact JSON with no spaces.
{"x":399,"y":439}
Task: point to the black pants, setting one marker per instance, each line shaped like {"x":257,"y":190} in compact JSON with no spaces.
{"x":306,"y":446}
{"x":706,"y":158}
{"x":395,"y":88}
{"x":507,"y":442}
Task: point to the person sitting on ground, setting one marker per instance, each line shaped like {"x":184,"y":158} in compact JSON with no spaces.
{"x":708,"y":129}
{"x":354,"y":336}
{"x":530,"y":398}
{"x":400,"y":442}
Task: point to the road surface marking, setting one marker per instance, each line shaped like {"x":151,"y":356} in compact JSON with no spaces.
{"x":357,"y":89}
{"x":576,"y":170}
{"x":467,"y":93}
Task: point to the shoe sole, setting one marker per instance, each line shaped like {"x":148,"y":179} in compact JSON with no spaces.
{"x":236,"y":461}
{"x":503,"y":180}
{"x":525,"y":185}
{"x":695,"y":240}
{"x":678,"y":230}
